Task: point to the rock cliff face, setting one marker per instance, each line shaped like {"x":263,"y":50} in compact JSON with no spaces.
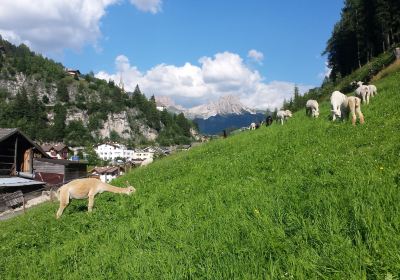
{"x":13,"y":86}
{"x":124,"y":123}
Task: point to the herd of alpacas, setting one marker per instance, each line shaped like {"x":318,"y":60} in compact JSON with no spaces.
{"x":341,"y":107}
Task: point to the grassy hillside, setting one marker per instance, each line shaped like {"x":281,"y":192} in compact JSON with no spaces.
{"x":308,"y":200}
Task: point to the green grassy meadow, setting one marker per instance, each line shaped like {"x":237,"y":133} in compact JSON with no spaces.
{"x":308,"y":200}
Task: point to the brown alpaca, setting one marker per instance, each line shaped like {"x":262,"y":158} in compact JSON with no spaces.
{"x":86,"y":188}
{"x":354,"y":106}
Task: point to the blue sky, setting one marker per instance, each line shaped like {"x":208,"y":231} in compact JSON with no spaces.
{"x":192,"y":51}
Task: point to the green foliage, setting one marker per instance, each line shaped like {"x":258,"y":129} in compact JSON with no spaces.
{"x":311,"y":199}
{"x":60,"y":116}
{"x":62,"y":90}
{"x":76,"y":134}
{"x":366,"y":29}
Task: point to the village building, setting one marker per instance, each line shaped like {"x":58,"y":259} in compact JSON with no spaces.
{"x":56,"y":151}
{"x":146,"y":153}
{"x":113,"y":151}
{"x":73,"y":72}
{"x":56,"y":172}
{"x":107,"y":173}
{"x":17,"y":153}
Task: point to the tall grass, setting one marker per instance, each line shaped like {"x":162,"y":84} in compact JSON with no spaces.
{"x":308,"y":200}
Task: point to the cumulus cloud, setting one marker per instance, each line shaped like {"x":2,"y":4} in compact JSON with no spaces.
{"x":152,"y":6}
{"x":50,"y":26}
{"x":191,"y":85}
{"x":256,"y":56}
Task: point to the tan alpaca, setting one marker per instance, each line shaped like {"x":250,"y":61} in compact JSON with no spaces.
{"x":86,"y":188}
{"x":354,"y":106}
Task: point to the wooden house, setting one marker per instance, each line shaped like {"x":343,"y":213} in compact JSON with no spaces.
{"x":56,"y":172}
{"x":73,"y":72}
{"x":107,"y":173}
{"x":17,"y":152}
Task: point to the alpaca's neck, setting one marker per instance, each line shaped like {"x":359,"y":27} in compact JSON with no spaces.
{"x":113,"y":189}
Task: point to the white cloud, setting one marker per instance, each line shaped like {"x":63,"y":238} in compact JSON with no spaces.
{"x":326,"y":73}
{"x":256,"y":56}
{"x":152,"y":6}
{"x":223,"y":74}
{"x":50,"y":26}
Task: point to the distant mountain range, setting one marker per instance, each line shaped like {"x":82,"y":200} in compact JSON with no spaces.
{"x":228,"y":112}
{"x":216,"y":124}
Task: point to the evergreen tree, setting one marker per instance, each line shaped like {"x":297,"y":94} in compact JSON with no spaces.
{"x":60,"y":115}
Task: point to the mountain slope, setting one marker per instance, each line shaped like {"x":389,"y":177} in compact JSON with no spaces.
{"x":308,"y":200}
{"x":225,"y":105}
{"x":216,"y":124}
{"x":41,"y":98}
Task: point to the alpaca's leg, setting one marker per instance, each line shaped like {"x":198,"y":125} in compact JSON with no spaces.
{"x":360,"y":114}
{"x":91,"y":202}
{"x":353,"y":118}
{"x":64,"y":201}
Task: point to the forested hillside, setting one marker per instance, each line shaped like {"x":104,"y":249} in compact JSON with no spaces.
{"x":366,"y":29}
{"x":40,"y":98}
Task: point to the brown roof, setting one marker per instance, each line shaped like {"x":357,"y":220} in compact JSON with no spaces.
{"x":60,"y":161}
{"x":5,"y":133}
{"x":103,"y":170}
{"x":57,"y":147}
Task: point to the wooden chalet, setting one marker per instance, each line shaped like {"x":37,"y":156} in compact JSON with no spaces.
{"x":21,"y":157}
{"x":73,"y":72}
{"x":17,"y":152}
{"x":56,"y":172}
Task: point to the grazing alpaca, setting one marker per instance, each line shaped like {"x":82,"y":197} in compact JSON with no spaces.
{"x":252,"y":126}
{"x":268,"y":121}
{"x":372,"y":90}
{"x":86,"y":188}
{"x":363,"y":92}
{"x":312,"y":108}
{"x":283,"y":116}
{"x":343,"y":105}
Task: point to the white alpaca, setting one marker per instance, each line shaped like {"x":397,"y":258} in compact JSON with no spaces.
{"x":283,"y":115}
{"x":252,"y":126}
{"x":372,"y":90}
{"x":312,"y":108}
{"x":86,"y":188}
{"x":343,"y":105}
{"x":363,"y":92}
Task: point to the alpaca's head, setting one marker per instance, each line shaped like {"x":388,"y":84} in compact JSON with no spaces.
{"x":316,"y":113}
{"x":288,"y":113}
{"x":336,"y":113}
{"x":130,"y":190}
{"x":359,"y":83}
